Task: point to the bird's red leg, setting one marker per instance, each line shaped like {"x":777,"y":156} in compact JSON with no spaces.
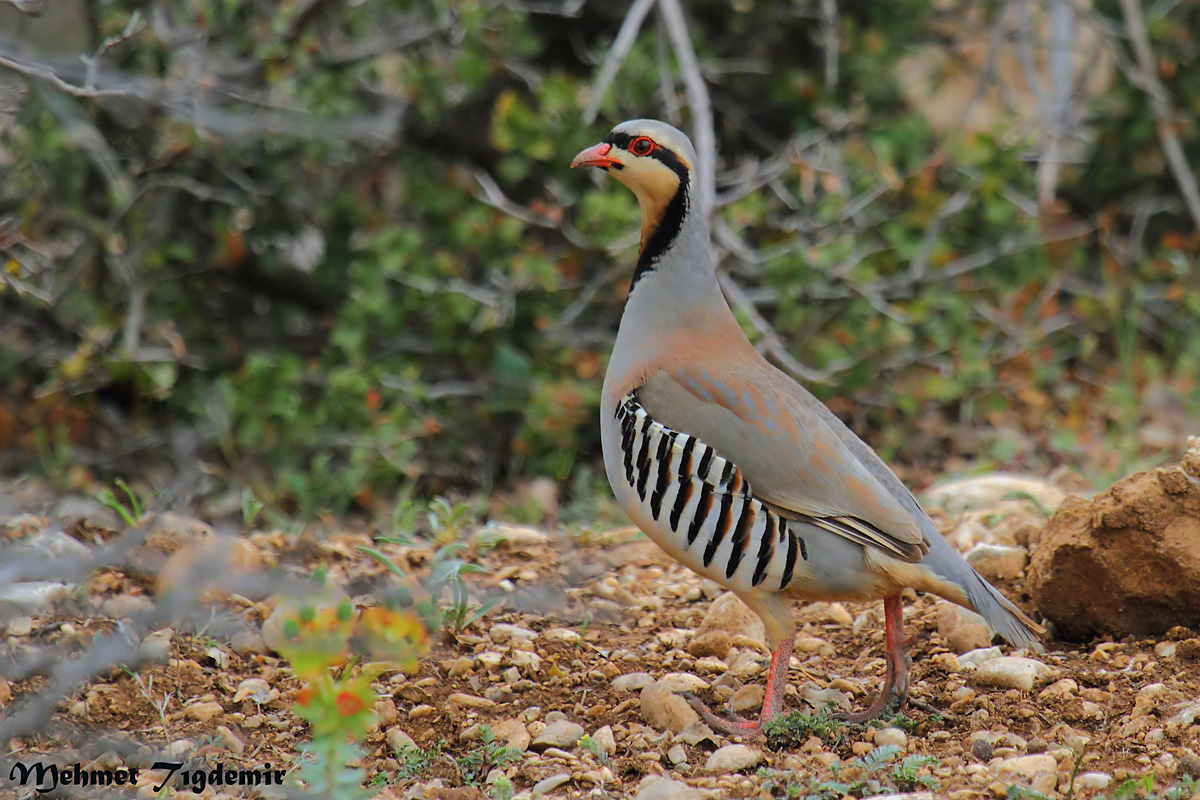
{"x":895,"y":685}
{"x":777,"y":677}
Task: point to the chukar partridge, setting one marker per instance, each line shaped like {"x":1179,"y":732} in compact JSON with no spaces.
{"x":733,"y":468}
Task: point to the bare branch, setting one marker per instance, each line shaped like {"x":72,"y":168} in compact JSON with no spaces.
{"x":703,"y":135}
{"x":616,"y":55}
{"x":132,"y":28}
{"x":829,"y":33}
{"x":47,"y":74}
{"x":1160,"y":107}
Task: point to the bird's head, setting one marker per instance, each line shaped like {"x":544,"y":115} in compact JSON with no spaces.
{"x":656,"y":161}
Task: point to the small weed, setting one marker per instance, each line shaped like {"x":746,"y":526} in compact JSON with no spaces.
{"x":503,"y":789}
{"x":862,"y":777}
{"x":130,"y":513}
{"x":477,"y":762}
{"x":589,"y":744}
{"x":906,"y":775}
{"x":1023,"y":793}
{"x":794,"y":729}
{"x":417,"y":763}
{"x":251,"y":507}
{"x":448,"y":571}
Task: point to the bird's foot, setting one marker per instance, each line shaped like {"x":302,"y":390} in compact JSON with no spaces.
{"x":737,"y":726}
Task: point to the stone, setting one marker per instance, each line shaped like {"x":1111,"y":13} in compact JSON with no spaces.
{"x":604,"y":739}
{"x":973,"y":658}
{"x":1124,"y":563}
{"x":248,"y":641}
{"x":632,"y":681}
{"x":989,"y":491}
{"x":563,"y":734}
{"x":255,"y":689}
{"x":998,"y":560}
{"x":399,"y":741}
{"x":732,"y":758}
{"x":890,"y":737}
{"x":664,"y":710}
{"x":503,"y":632}
{"x":682,"y":682}
{"x":748,"y":698}
{"x":713,"y":643}
{"x":730,"y":614}
{"x":1061,"y":689}
{"x":1011,"y":672}
{"x":209,"y":566}
{"x":20,"y":626}
{"x":547,"y":785}
{"x":32,"y":597}
{"x":203,"y":711}
{"x":463,"y":700}
{"x":961,"y":629}
{"x":654,"y":787}
{"x":677,"y":755}
{"x":1039,"y":772}
{"x":126,"y":606}
{"x":696,"y":733}
{"x":1093,"y":780}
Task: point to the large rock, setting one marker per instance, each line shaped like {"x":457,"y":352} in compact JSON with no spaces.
{"x":1126,"y":562}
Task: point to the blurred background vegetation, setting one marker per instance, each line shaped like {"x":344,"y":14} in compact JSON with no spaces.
{"x":322,"y":250}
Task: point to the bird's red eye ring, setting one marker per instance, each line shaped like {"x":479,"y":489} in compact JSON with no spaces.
{"x":642,"y":146}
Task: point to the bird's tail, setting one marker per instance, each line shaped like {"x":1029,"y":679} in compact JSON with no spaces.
{"x":1001,"y":614}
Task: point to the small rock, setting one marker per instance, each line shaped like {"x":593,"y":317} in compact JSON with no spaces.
{"x":665,"y":710}
{"x":502,"y":632}
{"x":257,"y":690}
{"x":989,"y":491}
{"x":973,"y":658}
{"x":748,"y":698}
{"x":398,"y":740}
{"x":682,"y":682}
{"x":231,"y":740}
{"x":1040,"y":771}
{"x":604,"y":739}
{"x":5,"y":691}
{"x":713,"y":643}
{"x":470,"y":701}
{"x":203,"y":711}
{"x":732,"y":758}
{"x":1011,"y":672}
{"x":1061,"y":689}
{"x":60,"y":545}
{"x":1189,"y":765}
{"x":962,"y":629}
{"x":982,"y":749}
{"x":156,"y":646}
{"x":654,"y":787}
{"x":890,"y":737}
{"x":33,"y":597}
{"x":563,"y":733}
{"x":547,"y":785}
{"x":1094,"y":780}
{"x":1124,"y":563}
{"x":632,"y":681}
{"x":562,"y":635}
{"x":210,"y":566}
{"x":838,"y":615}
{"x":677,"y":755}
{"x":248,"y":641}
{"x":122,"y":606}
{"x":998,"y":560}
{"x":696,"y":733}
{"x":20,"y":626}
{"x":729,"y":614}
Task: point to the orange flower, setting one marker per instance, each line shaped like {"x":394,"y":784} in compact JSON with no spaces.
{"x":305,"y":695}
{"x":349,"y":704}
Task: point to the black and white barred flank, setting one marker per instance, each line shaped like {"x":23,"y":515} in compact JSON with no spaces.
{"x":702,"y":497}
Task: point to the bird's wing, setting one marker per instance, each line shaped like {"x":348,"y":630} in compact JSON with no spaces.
{"x":796,"y":455}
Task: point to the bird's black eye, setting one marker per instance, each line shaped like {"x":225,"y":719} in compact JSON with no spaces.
{"x":642,"y":146}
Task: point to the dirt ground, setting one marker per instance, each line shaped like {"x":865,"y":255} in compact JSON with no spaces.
{"x":579,"y":616}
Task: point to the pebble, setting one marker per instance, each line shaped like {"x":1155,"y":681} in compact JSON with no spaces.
{"x":654,"y":787}
{"x":838,"y":615}
{"x":398,"y":740}
{"x":257,"y":690}
{"x":123,"y":606}
{"x":20,"y":626}
{"x":248,"y":641}
{"x":729,"y":614}
{"x":231,"y":740}
{"x":748,"y":698}
{"x":632,"y":681}
{"x":998,"y":560}
{"x":665,"y":710}
{"x":203,"y":711}
{"x":732,"y":758}
{"x":682,"y":682}
{"x":1041,"y":771}
{"x":503,"y":632}
{"x":1094,"y":780}
{"x":894,"y":737}
{"x":962,"y":630}
{"x":713,"y":643}
{"x":604,"y":739}
{"x":563,"y":733}
{"x":470,"y":701}
{"x":562,"y":635}
{"x":1011,"y":672}
{"x":34,"y":597}
{"x":677,"y":754}
{"x":1063,"y":689}
{"x":974,"y":658}
{"x":547,"y":785}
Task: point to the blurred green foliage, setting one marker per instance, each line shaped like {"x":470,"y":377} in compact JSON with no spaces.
{"x":341,"y":242}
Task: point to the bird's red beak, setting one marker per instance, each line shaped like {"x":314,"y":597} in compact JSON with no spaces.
{"x":595,"y":156}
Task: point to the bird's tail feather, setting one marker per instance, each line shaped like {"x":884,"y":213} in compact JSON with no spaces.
{"x":1002,"y":615}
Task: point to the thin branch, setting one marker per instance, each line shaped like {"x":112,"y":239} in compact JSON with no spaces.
{"x":772,"y":343}
{"x":616,"y":55}
{"x":829,"y":34}
{"x":47,"y":74}
{"x":1160,"y":107}
{"x":703,"y":135}
{"x":132,"y":28}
